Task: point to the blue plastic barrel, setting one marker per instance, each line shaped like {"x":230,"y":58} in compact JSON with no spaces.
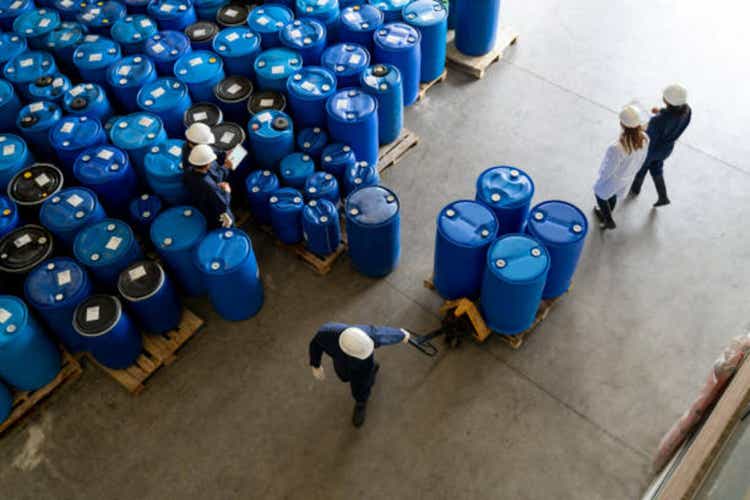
{"x":321,"y":227}
{"x":391,"y":8}
{"x":68,"y":9}
{"x":274,"y":66}
{"x":34,"y":25}
{"x":34,"y":121}
{"x":308,"y":37}
{"x":6,"y":402}
{"x":49,"y":88}
{"x":93,"y":58}
{"x":21,"y":250}
{"x":11,"y":44}
{"x":227,"y":263}
{"x":383,"y":81}
{"x":54,"y":289}
{"x":11,"y":11}
{"x":207,"y":9}
{"x":353,"y":120}
{"x":358,"y":23}
{"x":142,"y":210}
{"x":431,"y":19}
{"x":8,"y":215}
{"x":106,"y":170}
{"x":266,"y":100}
{"x":285,"y":207}
{"x":514,"y":279}
{"x":201,"y":70}
{"x":233,"y":94}
{"x":452,"y":14}
{"x":29,"y":360}
{"x":259,"y":185}
{"x":238,"y":47}
{"x":398,"y":44}
{"x":72,"y":135}
{"x":105,"y":248}
{"x":99,"y":17}
{"x":465,"y":230}
{"x":271,"y":137}
{"x":108,"y":332}
{"x":360,"y":175}
{"x":203,"y":112}
{"x":127,"y":76}
{"x":165,"y":48}
{"x":373,"y":226}
{"x":10,"y":105}
{"x":233,"y":15}
{"x":136,"y":6}
{"x":325,"y":11}
{"x":562,"y":228}
{"x":347,"y":61}
{"x":63,"y":41}
{"x":337,"y":159}
{"x":164,"y":172}
{"x":14,"y":156}
{"x":477,"y":23}
{"x":508,"y":192}
{"x":131,"y":32}
{"x":175,"y":233}
{"x":308,"y":89}
{"x":27,"y":67}
{"x":169,"y":99}
{"x":87,"y":99}
{"x":295,"y":169}
{"x":268,"y":21}
{"x":150,"y":296}
{"x":322,"y":186}
{"x":136,"y":134}
{"x":69,"y":211}
{"x":172,"y":15}
{"x":312,"y":141}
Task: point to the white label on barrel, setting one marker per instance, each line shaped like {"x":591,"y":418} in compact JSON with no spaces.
{"x":145,"y":121}
{"x":263,"y":20}
{"x":67,"y":127}
{"x":63,"y":278}
{"x":428,"y":16}
{"x":44,"y":22}
{"x":158,"y":48}
{"x":96,"y":12}
{"x":277,"y":70}
{"x":37,"y":106}
{"x":266,"y":103}
{"x":232,"y":37}
{"x":124,"y":70}
{"x":264,"y":117}
{"x":351,"y":17}
{"x":91,"y":38}
{"x":76,"y":91}
{"x":234,"y":88}
{"x":113,"y":243}
{"x":167,"y":7}
{"x":145,"y":23}
{"x":342,"y":104}
{"x":9,"y":149}
{"x":226,"y":137}
{"x":95,"y":57}
{"x":200,"y":116}
{"x":355,"y":59}
{"x":17,"y":4}
{"x":4,"y":315}
{"x":41,"y":180}
{"x":196,"y":61}
{"x":157,"y":92}
{"x":105,"y":154}
{"x":74,"y":200}
{"x":175,"y":151}
{"x":199,"y":32}
{"x":231,"y":12}
{"x":137,"y":273}
{"x":67,"y":35}
{"x":22,"y":241}
{"x":308,"y":86}
{"x":322,"y":2}
{"x":295,"y":33}
{"x":392,"y":39}
{"x":371,"y":80}
{"x":92,"y":314}
{"x":88,"y":17}
{"x":57,"y":82}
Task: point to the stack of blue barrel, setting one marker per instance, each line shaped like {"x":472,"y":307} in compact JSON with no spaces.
{"x":500,"y":250}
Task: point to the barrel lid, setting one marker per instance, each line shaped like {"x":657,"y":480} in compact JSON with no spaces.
{"x":202,"y":31}
{"x":100,"y":164}
{"x":321,"y":182}
{"x":265,"y":101}
{"x":228,"y":135}
{"x":270,"y":124}
{"x":312,"y":139}
{"x":144,"y":208}
{"x":286,"y":199}
{"x":269,"y":18}
{"x":468,"y":223}
{"x":133,"y":29}
{"x":345,"y":59}
{"x":164,"y":161}
{"x":203,"y":112}
{"x":557,"y":222}
{"x":162,"y":94}
{"x":140,"y":280}
{"x":425,"y":13}
{"x":36,"y":23}
{"x":235,"y":88}
{"x":351,"y":105}
{"x":504,"y":186}
{"x":372,"y":205}
{"x":24,"y":247}
{"x":198,"y":66}
{"x":136,"y":130}
{"x":312,"y":82}
{"x":316,"y":7}
{"x":131,"y":71}
{"x":168,"y":9}
{"x":178,"y":228}
{"x":68,"y":8}
{"x":389,"y":5}
{"x":223,"y":250}
{"x":296,"y":166}
{"x":361,"y":174}
{"x":13,"y":152}
{"x":397,"y":36}
{"x":49,"y":87}
{"x":34,"y":184}
{"x":38,"y":115}
{"x":11,"y":44}
{"x":338,"y":154}
{"x":13,"y":317}
{"x":8,"y":214}
{"x":75,"y":132}
{"x":261,"y":181}
{"x":103,"y":242}
{"x":232,"y":14}
{"x":97,"y":315}
{"x":69,"y":209}
{"x":362,"y":18}
{"x":56,"y":282}
{"x":101,"y":14}
{"x":277,"y":63}
{"x":98,"y":54}
{"x":320,"y":212}
{"x":12,"y":9}
{"x":167,"y":45}
{"x":303,"y":33}
{"x":381,"y":78}
{"x":236,"y":42}
{"x":78,"y":97}
{"x":29,"y":66}
{"x":517,"y":258}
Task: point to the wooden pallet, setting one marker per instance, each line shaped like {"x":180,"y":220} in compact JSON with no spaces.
{"x":424,"y":87}
{"x":390,"y":154}
{"x":25,"y":401}
{"x":158,"y":351}
{"x":477,"y":66}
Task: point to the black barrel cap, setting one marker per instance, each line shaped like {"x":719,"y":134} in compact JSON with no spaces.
{"x":32,"y":185}
{"x":202,"y":31}
{"x":232,"y":15}
{"x":97,"y":315}
{"x":235,"y":88}
{"x":203,"y":112}
{"x":280,"y":123}
{"x":379,"y":70}
{"x":79,"y":103}
{"x":140,"y":280}
{"x":228,"y":135}
{"x":24,"y":248}
{"x":263,"y":101}
{"x":44,"y":81}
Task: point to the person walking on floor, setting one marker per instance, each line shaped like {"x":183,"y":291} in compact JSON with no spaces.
{"x":622,"y":160}
{"x":352,"y":348}
{"x":206,"y":181}
{"x":664,"y":129}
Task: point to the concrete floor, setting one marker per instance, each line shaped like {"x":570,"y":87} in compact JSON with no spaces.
{"x":576,"y":414}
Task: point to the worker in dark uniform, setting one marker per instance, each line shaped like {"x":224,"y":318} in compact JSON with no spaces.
{"x":207,"y":183}
{"x":664,"y":129}
{"x":352,"y":349}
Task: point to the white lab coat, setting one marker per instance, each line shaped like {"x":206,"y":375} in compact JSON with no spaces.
{"x":618,"y":169}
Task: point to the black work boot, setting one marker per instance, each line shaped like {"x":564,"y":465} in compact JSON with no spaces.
{"x":635,"y":188}
{"x":661,"y":190}
{"x":360,"y":413}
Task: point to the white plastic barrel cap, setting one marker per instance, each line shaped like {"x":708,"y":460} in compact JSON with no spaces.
{"x":630,"y":117}
{"x":676,"y":95}
{"x":201,"y":155}
{"x":356,"y":343}
{"x":200,"y":133}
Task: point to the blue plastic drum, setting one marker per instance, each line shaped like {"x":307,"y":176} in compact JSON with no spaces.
{"x":308,"y":37}
{"x":8,"y":215}
{"x":465,"y":230}
{"x":391,"y":8}
{"x":164,"y":172}
{"x":127,"y":76}
{"x":99,"y":17}
{"x":233,"y":94}
{"x":274,"y":66}
{"x":105,"y":248}
{"x":347,"y":61}
{"x":14,"y":156}
{"x":29,"y":360}
{"x":87,"y":99}
{"x":136,"y":6}
{"x":106,"y":170}
{"x":451,"y":14}
{"x":308,"y":90}
{"x":383,"y":81}
{"x":11,"y":44}
{"x":34,"y":25}
{"x":136,"y":134}
{"x":63,"y":41}
{"x":259,"y":185}
{"x":322,"y":186}
{"x":312,"y":141}
{"x":32,"y":186}
{"x":150,"y":296}
{"x":172,"y":15}
{"x":321,"y":227}
{"x":325,"y":11}
{"x":72,"y":135}
{"x":175,"y":233}
{"x":28,"y":67}
{"x":373,"y":226}
{"x":398,"y":44}
{"x":295,"y":169}
{"x":202,"y":34}
{"x":431,"y":19}
{"x":49,"y":88}
{"x":142,"y":210}
{"x":268,"y":21}
{"x":69,"y":211}
{"x":169,"y":99}
{"x":353,"y":120}
{"x":35,"y":121}
{"x":358,"y":23}
{"x":271,"y":137}
{"x":6,"y":402}
{"x":513,"y":282}
{"x":238,"y":47}
{"x":131,"y":32}
{"x":508,"y":192}
{"x":227,"y":263}
{"x":165,"y":48}
{"x":108,"y":332}
{"x":337,"y":159}
{"x":201,"y":71}
{"x":286,"y":205}
{"x":561,"y":227}
{"x":11,"y":10}
{"x":477,"y":23}
{"x":93,"y":58}
{"x":360,"y":175}
{"x":68,"y":9}
{"x":10,"y":105}
{"x":54,"y":289}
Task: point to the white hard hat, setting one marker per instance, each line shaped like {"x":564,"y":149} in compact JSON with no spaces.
{"x":201,"y":155}
{"x":356,"y":343}
{"x":199,"y":133}
{"x":676,"y":95}
{"x":630,"y":116}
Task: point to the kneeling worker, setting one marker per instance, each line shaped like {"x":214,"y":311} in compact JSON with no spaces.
{"x":207,"y":183}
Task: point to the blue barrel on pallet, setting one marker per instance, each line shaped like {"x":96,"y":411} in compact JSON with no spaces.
{"x":347,"y":61}
{"x":201,"y":70}
{"x":321,"y":227}
{"x":308,"y":37}
{"x":49,"y":88}
{"x":295,"y":169}
{"x":203,"y":112}
{"x":172,"y":15}
{"x":238,"y":47}
{"x":34,"y":25}
{"x":322,"y":185}
{"x":136,"y":134}
{"x":227,"y":263}
{"x":165,"y":48}
{"x":12,"y":10}
{"x":398,"y":44}
{"x":6,"y":402}
{"x":21,"y":250}
{"x":274,"y":66}
{"x":452,"y":14}
{"x":99,"y":17}
{"x":63,"y":42}
{"x":10,"y":105}
{"x":233,"y":15}
{"x":11,"y":44}
{"x":35,"y":121}
{"x":54,"y":289}
{"x":27,"y":67}
{"x":176,"y":233}
{"x":131,"y":32}
{"x":87,"y":99}
{"x":285,"y":207}
{"x":259,"y":185}
{"x":30,"y":187}
{"x":391,"y":9}
{"x":68,"y":9}
{"x":106,"y":170}
{"x":142,"y":210}
{"x":72,"y":135}
{"x":266,"y":100}
{"x":169,"y":99}
{"x":150,"y":296}
{"x":383,"y":81}
{"x":69,"y":211}
{"x":373,"y":225}
{"x":477,"y":23}
{"x":360,"y":175}
{"x":508,"y":192}
{"x":29,"y":360}
{"x":271,"y":138}
{"x":337,"y":159}
{"x":202,"y":34}
{"x":233,"y":94}
{"x":312,"y":141}
{"x":164,"y":172}
{"x":353,"y":120}
{"x":92,"y":59}
{"x":268,"y":21}
{"x":325,"y":11}
{"x":308,"y":90}
{"x":514,"y":277}
{"x":127,"y":76}
{"x":358,"y":23}
{"x":108,"y":332}
{"x":105,"y":248}
{"x":562,"y":228}
{"x":14,"y":156}
{"x":8,"y":215}
{"x":431,"y":19}
{"x":465,"y":230}
{"x":136,"y":6}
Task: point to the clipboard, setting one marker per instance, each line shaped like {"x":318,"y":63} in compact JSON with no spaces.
{"x":236,"y":155}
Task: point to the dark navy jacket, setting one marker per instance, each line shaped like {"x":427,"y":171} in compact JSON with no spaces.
{"x":664,"y":130}
{"x":206,"y":194}
{"x":349,"y":369}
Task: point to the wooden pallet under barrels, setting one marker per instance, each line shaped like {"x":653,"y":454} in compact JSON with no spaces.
{"x":425,"y":87}
{"x":390,"y":154}
{"x":477,"y":66}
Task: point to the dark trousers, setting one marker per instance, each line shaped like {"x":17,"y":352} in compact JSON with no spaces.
{"x":655,"y":168}
{"x":360,"y":381}
{"x":606,"y":207}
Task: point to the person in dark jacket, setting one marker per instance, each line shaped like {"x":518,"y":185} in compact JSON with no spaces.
{"x":352,"y":348}
{"x":207,"y":183}
{"x":664,"y":129}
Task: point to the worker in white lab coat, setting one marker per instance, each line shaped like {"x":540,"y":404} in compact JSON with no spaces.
{"x":623,"y":159}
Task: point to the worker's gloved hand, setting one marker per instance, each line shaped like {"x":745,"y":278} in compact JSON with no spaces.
{"x":226,"y":220}
{"x":319,"y":373}
{"x":407,"y":336}
{"x":228,"y":164}
{"x":655,"y":110}
{"x":225,"y":187}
